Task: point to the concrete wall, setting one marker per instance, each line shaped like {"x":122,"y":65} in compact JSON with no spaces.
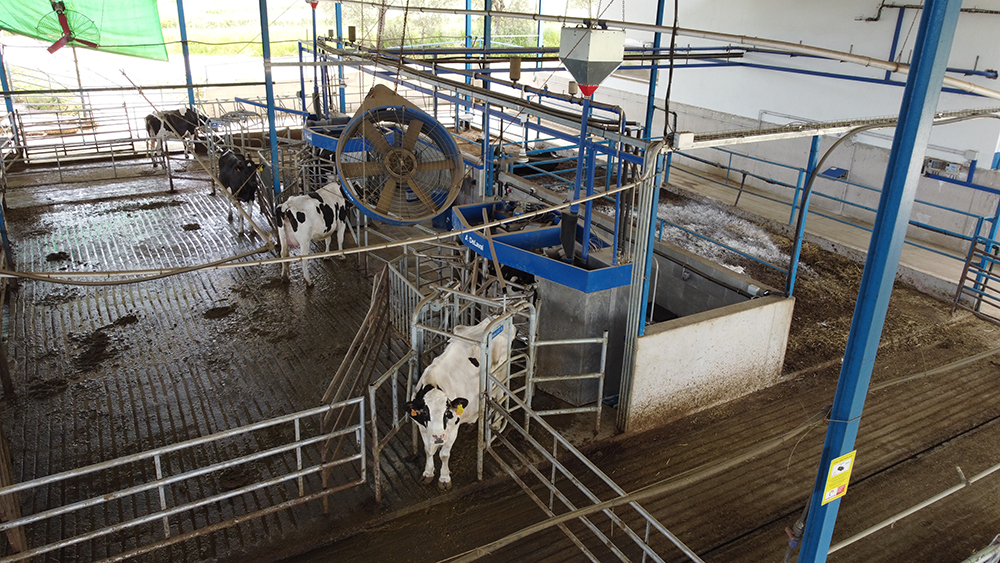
{"x":687,"y":284}
{"x":693,"y":363}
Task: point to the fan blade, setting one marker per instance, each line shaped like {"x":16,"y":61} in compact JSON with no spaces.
{"x":446,"y":164}
{"x":59,"y":44}
{"x":85,"y":43}
{"x":412,"y":134}
{"x":385,"y":200}
{"x":425,"y":198}
{"x":63,"y":23}
{"x":361,"y":169}
{"x":375,"y":137}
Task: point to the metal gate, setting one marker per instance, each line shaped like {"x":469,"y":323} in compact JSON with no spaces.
{"x":974,"y":289}
{"x":189,"y":489}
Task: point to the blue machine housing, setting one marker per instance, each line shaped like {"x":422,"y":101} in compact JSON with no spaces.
{"x":518,"y":249}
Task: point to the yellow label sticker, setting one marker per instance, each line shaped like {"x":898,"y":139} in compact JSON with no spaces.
{"x":840,"y":475}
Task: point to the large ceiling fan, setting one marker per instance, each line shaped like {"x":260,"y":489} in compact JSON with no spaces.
{"x":68,"y":26}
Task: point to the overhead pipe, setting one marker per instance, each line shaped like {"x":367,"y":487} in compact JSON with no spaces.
{"x":901,"y":7}
{"x":561,"y":117}
{"x":747,"y":40}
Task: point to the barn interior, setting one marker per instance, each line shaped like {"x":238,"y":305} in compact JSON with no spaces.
{"x":690,"y":228}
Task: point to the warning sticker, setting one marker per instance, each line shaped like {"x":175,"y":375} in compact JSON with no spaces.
{"x":840,"y":475}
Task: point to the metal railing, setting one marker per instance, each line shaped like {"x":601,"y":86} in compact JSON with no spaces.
{"x":382,"y":397}
{"x":974,"y":290}
{"x":574,"y":480}
{"x":598,"y":376}
{"x":798,"y":187}
{"x":178,"y":479}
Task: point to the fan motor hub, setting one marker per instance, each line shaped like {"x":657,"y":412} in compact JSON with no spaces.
{"x":400,"y":163}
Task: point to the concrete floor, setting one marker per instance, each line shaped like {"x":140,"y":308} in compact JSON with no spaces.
{"x":924,"y":269}
{"x":211,"y":350}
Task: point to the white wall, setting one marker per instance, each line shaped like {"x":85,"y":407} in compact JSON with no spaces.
{"x":693,"y":363}
{"x":840,"y":26}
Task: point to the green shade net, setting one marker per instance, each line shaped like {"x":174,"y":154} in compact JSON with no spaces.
{"x":125,"y":27}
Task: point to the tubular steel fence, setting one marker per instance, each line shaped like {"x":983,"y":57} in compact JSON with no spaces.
{"x":974,"y":289}
{"x":626,"y":533}
{"x":189,"y":489}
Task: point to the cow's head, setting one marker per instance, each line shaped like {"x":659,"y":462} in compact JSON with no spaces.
{"x":432,"y":409}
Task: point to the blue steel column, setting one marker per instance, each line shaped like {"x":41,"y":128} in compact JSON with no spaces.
{"x":923,"y":88}
{"x":340,"y":69}
{"x":265,"y":41}
{"x":13,"y":126}
{"x":650,"y":102}
{"x":581,"y":153}
{"x":184,"y":50}
{"x":315,"y":59}
{"x":793,"y":264}
{"x":540,"y":41}
{"x":8,"y":101}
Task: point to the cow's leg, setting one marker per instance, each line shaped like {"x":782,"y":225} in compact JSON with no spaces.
{"x":303,"y":252}
{"x":283,"y":241}
{"x":444,"y":482}
{"x":150,"y":146}
{"x":341,"y":227}
{"x":429,"y":450}
{"x":327,"y":241}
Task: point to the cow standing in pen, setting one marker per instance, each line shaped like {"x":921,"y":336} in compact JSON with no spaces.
{"x":238,"y":174}
{"x":305,"y":218}
{"x":447,"y":394}
{"x":172,"y":124}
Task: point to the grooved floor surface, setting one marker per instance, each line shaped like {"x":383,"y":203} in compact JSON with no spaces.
{"x":105,"y":371}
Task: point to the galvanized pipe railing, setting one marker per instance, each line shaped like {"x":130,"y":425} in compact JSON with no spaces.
{"x":559,"y":467}
{"x":163,"y":481}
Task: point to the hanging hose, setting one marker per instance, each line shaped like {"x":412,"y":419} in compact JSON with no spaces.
{"x":795,"y":533}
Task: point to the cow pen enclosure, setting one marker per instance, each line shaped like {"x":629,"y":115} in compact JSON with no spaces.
{"x":649,"y":335}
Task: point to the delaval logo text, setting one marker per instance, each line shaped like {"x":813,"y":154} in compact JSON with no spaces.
{"x":473,"y":242}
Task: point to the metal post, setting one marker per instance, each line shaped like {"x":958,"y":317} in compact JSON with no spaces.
{"x":540,"y":42}
{"x":588,"y":208}
{"x":923,"y":86}
{"x":7,"y":99}
{"x":650,"y":105}
{"x":793,"y":265}
{"x":184,"y":50}
{"x":265,"y":40}
{"x":302,"y":76}
{"x":581,"y":153}
{"x":315,"y":67}
{"x":633,"y":324}
{"x":795,"y":198}
{"x":340,"y":45}
{"x":647,"y":258}
{"x":487,"y":31}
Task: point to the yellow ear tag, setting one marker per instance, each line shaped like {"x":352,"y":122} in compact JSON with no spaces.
{"x":460,"y":410}
{"x":413,"y":412}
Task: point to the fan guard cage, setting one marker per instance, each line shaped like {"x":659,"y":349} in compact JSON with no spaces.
{"x":399,"y":165}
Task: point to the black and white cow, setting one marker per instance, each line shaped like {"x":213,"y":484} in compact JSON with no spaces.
{"x":172,"y":124}
{"x":305,"y":218}
{"x":238,"y":174}
{"x":447,"y":394}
